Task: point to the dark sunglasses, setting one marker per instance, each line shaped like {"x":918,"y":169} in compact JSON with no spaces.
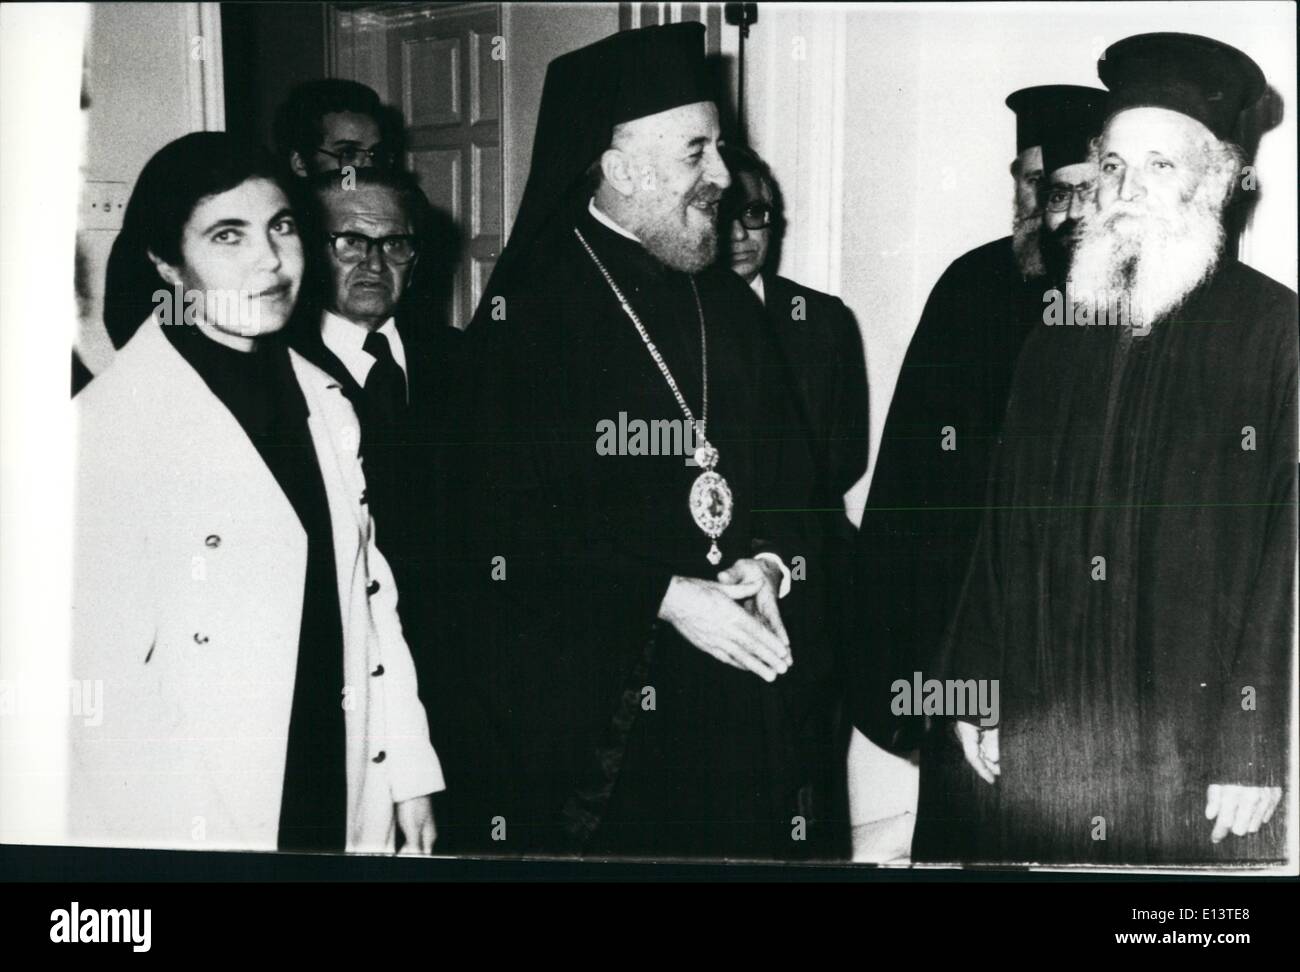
{"x":753,"y":216}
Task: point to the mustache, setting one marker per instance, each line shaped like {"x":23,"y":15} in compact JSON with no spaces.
{"x":1121,"y":208}
{"x":1068,"y":228}
{"x":707,"y":194}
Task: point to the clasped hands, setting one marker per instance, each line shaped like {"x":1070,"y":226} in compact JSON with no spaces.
{"x":1235,"y":809}
{"x":735,"y":619}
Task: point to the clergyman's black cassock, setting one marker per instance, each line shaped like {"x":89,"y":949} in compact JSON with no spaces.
{"x":581,"y":722}
{"x":924,"y":507}
{"x":1131,"y":587}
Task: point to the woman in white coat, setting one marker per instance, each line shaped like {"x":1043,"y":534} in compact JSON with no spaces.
{"x":228,"y":593}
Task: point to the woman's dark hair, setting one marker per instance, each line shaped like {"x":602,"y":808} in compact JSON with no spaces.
{"x":179,"y":176}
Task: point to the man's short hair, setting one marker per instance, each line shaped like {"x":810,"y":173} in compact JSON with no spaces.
{"x":742,"y":159}
{"x":299,"y":122}
{"x":413,"y":201}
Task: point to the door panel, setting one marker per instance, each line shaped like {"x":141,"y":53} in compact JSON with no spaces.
{"x":441,"y":64}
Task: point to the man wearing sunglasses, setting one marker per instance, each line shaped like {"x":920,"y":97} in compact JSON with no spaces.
{"x":822,"y":343}
{"x":818,"y":333}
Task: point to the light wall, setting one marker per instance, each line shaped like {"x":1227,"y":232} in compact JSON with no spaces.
{"x":141,"y":82}
{"x":535,"y":35}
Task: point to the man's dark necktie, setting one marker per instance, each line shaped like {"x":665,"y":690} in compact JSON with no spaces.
{"x":385,"y":384}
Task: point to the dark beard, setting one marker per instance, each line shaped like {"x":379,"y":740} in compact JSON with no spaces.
{"x":1057,"y":246}
{"x":1026,"y":245}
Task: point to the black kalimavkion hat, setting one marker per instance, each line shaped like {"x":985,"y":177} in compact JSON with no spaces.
{"x":1197,"y":76}
{"x":1060,"y":118}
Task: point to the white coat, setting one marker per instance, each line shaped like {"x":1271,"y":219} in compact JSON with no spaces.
{"x":188,"y":589}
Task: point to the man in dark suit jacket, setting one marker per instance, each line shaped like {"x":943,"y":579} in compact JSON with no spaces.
{"x":368,"y":323}
{"x":823,"y":347}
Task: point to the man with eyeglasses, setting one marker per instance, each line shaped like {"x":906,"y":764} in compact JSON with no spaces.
{"x":823,"y":345}
{"x":330,"y":124}
{"x":1068,"y":192}
{"x":372,"y":333}
{"x":817,"y":332}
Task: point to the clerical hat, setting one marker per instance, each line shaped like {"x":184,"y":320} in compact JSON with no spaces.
{"x":1197,"y":76}
{"x":1067,"y":136}
{"x":1057,"y":115}
{"x":628,"y":75}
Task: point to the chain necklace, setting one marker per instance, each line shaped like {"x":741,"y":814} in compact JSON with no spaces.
{"x":710,"y":499}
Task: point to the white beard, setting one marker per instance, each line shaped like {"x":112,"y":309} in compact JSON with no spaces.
{"x":676,"y":233}
{"x":1146,"y":262}
{"x":680,"y":247}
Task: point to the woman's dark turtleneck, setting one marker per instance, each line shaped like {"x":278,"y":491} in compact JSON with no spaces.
{"x":260,"y":389}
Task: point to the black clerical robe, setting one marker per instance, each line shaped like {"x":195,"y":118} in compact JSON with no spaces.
{"x":923,"y":510}
{"x":1131,"y":587}
{"x":581,"y":723}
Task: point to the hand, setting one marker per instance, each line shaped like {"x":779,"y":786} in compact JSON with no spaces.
{"x":764,"y":604}
{"x":706,"y":614}
{"x":415,"y":821}
{"x":1241,"y":809}
{"x":980,"y":747}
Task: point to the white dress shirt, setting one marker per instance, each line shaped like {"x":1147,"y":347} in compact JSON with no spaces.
{"x":756,"y":285}
{"x":346,"y":340}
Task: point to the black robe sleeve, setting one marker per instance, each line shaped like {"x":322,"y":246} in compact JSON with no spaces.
{"x":1251,"y":730}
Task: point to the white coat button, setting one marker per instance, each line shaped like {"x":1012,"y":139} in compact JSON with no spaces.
{"x":200,"y":638}
{"x":381,"y":757}
{"x":212,"y":540}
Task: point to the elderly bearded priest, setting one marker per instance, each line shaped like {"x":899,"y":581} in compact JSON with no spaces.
{"x":624,"y":679}
{"x":1132,"y":584}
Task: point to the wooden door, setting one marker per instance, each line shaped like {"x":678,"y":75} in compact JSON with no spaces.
{"x":440,"y":65}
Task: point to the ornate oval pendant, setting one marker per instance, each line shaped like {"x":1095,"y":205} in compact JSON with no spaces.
{"x":711,"y":508}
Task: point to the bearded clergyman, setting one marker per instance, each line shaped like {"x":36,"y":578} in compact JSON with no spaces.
{"x":625,"y":674}
{"x":1132,"y":582}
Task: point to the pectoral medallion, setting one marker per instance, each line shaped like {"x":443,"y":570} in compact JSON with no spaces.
{"x":710,"y":500}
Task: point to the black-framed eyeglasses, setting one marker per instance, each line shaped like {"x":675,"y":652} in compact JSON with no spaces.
{"x":1058,"y":199}
{"x":360,"y":158}
{"x":355,"y":247}
{"x":753,"y":216}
